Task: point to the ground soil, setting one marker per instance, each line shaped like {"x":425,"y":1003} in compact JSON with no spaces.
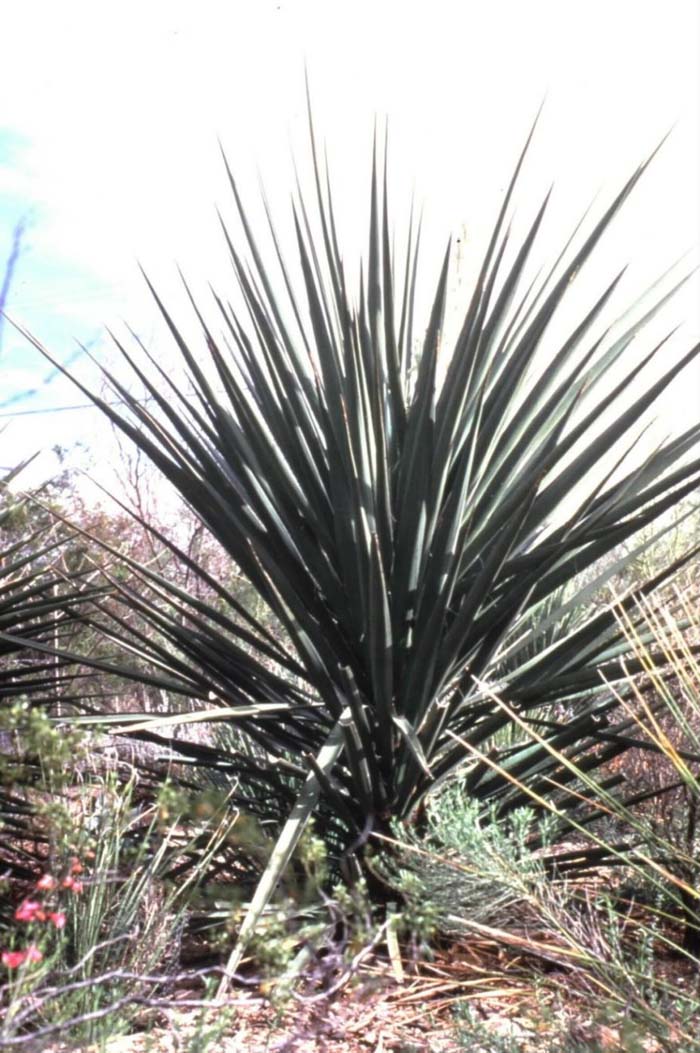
{"x":514,"y":1006}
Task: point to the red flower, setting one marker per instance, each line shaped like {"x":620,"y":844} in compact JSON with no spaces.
{"x":13,"y":959}
{"x":30,"y":910}
{"x":58,"y":918}
{"x":76,"y":867}
{"x":75,"y":884}
{"x":46,"y":883}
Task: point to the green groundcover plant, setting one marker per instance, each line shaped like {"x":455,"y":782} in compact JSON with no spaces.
{"x":415,"y":516}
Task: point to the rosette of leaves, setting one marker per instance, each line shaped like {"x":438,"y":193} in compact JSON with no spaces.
{"x":406,"y":509}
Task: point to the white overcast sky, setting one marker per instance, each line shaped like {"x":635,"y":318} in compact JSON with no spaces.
{"x":112,"y":110}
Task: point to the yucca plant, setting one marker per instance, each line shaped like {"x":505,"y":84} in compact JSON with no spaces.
{"x":37,"y":599}
{"x":38,"y":604}
{"x":405,"y":509}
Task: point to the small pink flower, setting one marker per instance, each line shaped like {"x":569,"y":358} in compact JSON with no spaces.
{"x":30,"y":910}
{"x":74,"y":884}
{"x":76,"y":867}
{"x":46,"y":883}
{"x":13,"y":959}
{"x":57,"y":918}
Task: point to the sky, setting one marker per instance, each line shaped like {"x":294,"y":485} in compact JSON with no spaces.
{"x":113,"y":114}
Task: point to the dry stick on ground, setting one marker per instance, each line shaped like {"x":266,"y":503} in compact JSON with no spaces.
{"x":39,"y":999}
